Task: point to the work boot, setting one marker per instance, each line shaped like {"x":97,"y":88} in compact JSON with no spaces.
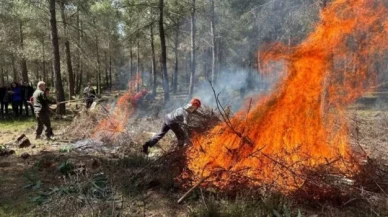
{"x":50,"y":137}
{"x":145,"y":148}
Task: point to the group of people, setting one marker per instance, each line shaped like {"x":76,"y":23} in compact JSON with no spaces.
{"x":23,"y":94}
{"x":16,"y":95}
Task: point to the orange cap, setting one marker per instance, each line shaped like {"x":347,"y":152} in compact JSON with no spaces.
{"x":196,"y":102}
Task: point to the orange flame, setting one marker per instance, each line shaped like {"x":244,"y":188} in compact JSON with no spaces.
{"x":116,"y":122}
{"x":302,"y":124}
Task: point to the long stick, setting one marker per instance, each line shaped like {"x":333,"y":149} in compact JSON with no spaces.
{"x":75,"y":100}
{"x":193,"y":188}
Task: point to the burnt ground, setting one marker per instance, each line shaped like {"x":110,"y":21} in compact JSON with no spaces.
{"x":59,"y":179}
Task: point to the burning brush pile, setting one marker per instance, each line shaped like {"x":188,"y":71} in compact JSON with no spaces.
{"x":107,"y":123}
{"x":297,"y":137}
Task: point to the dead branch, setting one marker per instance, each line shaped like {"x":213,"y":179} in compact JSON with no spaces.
{"x":241,"y":136}
{"x":193,"y":188}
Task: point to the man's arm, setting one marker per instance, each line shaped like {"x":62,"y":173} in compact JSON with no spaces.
{"x":185,"y":126}
{"x":44,"y":99}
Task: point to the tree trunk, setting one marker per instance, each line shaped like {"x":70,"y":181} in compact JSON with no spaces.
{"x":98,"y":74}
{"x":44,"y":61}
{"x":23,"y":62}
{"x":2,"y":77}
{"x":164,"y":53}
{"x":37,"y":74}
{"x":219,"y":57}
{"x":193,"y":63}
{"x":138,"y":67}
{"x":15,"y":76}
{"x":154,"y":78}
{"x":175,"y":78}
{"x":7,"y":76}
{"x":57,"y":63}
{"x":79,"y":67}
{"x":67,"y":51}
{"x":110,"y":71}
{"x":214,"y":47}
{"x":52,"y":74}
{"x":106,"y":70}
{"x":187,"y":69}
{"x":80,"y":79}
{"x":131,"y":60}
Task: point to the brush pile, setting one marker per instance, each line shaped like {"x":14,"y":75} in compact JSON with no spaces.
{"x":83,"y":125}
{"x":203,"y":120}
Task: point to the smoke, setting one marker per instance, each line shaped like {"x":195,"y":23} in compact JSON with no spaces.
{"x":232,"y":87}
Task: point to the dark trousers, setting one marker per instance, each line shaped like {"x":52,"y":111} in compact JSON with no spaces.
{"x":89,"y":103}
{"x":43,"y":119}
{"x":4,"y":108}
{"x":17,"y":108}
{"x":176,"y":128}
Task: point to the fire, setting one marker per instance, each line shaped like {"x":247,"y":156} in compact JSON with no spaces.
{"x":301,"y":125}
{"x":116,"y":122}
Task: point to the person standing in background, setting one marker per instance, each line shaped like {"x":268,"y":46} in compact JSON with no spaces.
{"x":24,"y":95}
{"x":2,"y":94}
{"x":16,"y":95}
{"x":89,"y":95}
{"x":5,"y":99}
{"x":27,"y":91}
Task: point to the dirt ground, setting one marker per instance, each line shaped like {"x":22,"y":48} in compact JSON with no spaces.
{"x":23,"y":181}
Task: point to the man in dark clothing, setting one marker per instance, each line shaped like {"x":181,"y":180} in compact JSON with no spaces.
{"x":4,"y":100}
{"x":177,"y":122}
{"x":2,"y":94}
{"x":16,"y":95}
{"x":89,"y":95}
{"x":41,"y":109}
{"x":27,"y":92}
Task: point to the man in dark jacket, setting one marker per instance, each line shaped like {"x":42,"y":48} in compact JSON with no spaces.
{"x":2,"y":94}
{"x":4,"y":100}
{"x":89,"y":95}
{"x":27,"y":92}
{"x":16,"y":95}
{"x":177,"y":122}
{"x":41,"y":109}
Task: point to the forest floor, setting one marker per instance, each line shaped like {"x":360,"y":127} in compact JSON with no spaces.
{"x":58,"y":179}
